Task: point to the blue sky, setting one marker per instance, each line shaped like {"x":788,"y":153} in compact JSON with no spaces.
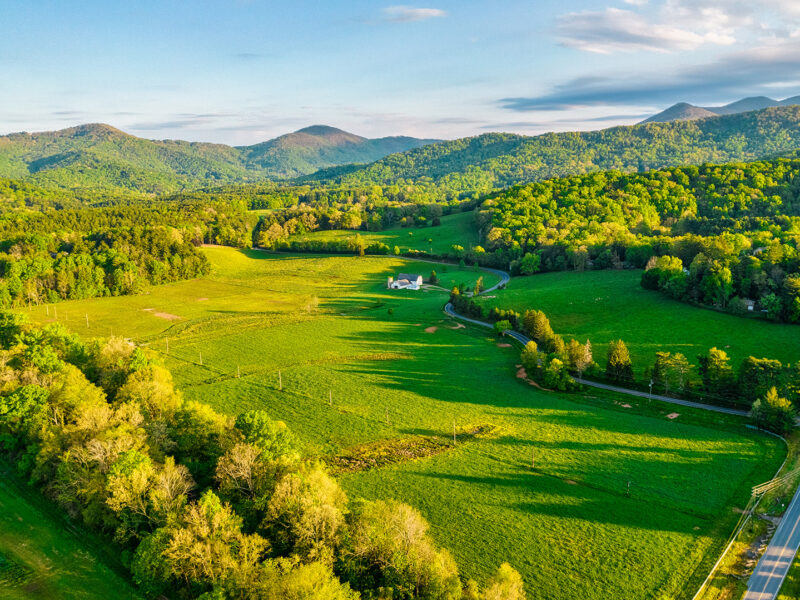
{"x":242,"y":71}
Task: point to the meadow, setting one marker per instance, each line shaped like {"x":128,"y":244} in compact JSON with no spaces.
{"x":456,"y":229}
{"x":605,"y":305}
{"x":44,"y":557}
{"x":623,"y":502}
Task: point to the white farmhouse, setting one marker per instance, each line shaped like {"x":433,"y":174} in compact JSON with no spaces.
{"x":405,"y":281}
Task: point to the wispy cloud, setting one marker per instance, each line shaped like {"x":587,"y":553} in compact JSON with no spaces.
{"x":614,"y":30}
{"x":409,"y":14}
{"x":748,"y":72}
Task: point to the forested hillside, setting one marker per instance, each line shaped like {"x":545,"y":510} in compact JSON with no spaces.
{"x":98,"y":158}
{"x":498,"y":160}
{"x":85,"y":253}
{"x":722,"y":235}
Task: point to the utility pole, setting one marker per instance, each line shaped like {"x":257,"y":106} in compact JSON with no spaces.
{"x":238,"y":375}
{"x":47,"y":308}
{"x":87,"y":320}
{"x":330,"y":398}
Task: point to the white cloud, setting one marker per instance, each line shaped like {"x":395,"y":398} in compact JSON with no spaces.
{"x":409,"y":14}
{"x":636,"y":2}
{"x":617,"y":30}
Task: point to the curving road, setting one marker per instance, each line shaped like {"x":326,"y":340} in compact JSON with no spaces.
{"x":772,"y":568}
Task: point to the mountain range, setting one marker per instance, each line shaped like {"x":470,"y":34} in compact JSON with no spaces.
{"x":101,"y":157}
{"x":683,"y":111}
{"x":98,"y":163}
{"x":498,"y":160}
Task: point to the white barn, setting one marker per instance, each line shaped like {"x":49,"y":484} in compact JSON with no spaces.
{"x":405,"y":281}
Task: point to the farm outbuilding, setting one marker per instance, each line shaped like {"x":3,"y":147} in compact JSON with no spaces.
{"x":405,"y":281}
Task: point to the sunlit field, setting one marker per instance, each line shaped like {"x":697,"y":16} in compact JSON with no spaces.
{"x":320,"y":343}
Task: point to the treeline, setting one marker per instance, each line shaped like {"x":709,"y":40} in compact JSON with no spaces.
{"x":275,"y":195}
{"x":275,"y":229}
{"x":203,"y":505}
{"x":770,"y":389}
{"x":733,"y":231}
{"x":90,"y":252}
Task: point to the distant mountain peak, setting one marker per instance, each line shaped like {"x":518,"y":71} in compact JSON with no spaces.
{"x":683,"y":111}
{"x":322,"y":130}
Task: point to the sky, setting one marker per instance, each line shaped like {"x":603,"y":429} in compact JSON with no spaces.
{"x":243,"y":71}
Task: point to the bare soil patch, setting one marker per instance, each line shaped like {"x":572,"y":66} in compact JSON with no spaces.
{"x":673,"y":415}
{"x":431,"y":329}
{"x":167,"y":316}
{"x":458,"y":326}
{"x":503,"y":345}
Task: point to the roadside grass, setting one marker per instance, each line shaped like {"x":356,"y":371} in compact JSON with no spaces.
{"x":43,"y":556}
{"x":316,"y":345}
{"x":456,"y":229}
{"x":605,"y":305}
{"x":790,"y":590}
{"x":731,"y":578}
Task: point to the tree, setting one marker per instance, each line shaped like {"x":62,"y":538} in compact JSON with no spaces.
{"x":773,"y":413}
{"x":151,"y":387}
{"x":757,"y":376}
{"x":501,"y":326}
{"x":433,"y":279}
{"x":207,"y":545}
{"x":478,"y":286}
{"x":506,"y":584}
{"x":671,"y":372}
{"x":537,"y":325}
{"x":390,"y":547}
{"x":530,"y":264}
{"x":306,"y":514}
{"x":530,"y":357}
{"x":618,"y":362}
{"x":285,"y":579}
{"x":579,"y":355}
{"x":716,"y":374}
{"x":272,"y":438}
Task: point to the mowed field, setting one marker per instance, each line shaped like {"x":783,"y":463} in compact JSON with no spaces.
{"x":359,"y":363}
{"x":458,"y":229}
{"x":44,"y":557}
{"x":605,"y":305}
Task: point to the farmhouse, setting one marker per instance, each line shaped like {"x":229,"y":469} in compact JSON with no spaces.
{"x":405,"y":281}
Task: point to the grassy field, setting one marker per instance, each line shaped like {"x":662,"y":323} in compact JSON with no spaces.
{"x":44,"y":557}
{"x":606,"y":305}
{"x":458,"y":228}
{"x":395,"y":367}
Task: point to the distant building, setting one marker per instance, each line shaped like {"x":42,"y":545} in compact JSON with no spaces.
{"x":405,"y":281}
{"x":749,"y":304}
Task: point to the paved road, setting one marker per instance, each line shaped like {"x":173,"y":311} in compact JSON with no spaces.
{"x":523,"y":339}
{"x":768,"y":576}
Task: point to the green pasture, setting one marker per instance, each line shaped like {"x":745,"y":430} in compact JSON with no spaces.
{"x":358,"y":363}
{"x":458,"y":229}
{"x":605,"y":305}
{"x":44,"y":557}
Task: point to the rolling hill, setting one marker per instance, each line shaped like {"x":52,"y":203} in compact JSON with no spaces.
{"x":683,"y":111}
{"x":496,"y":160}
{"x":99,"y":157}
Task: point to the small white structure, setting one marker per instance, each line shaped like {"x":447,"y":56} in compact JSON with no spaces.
{"x":405,"y":281}
{"x":749,"y":304}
